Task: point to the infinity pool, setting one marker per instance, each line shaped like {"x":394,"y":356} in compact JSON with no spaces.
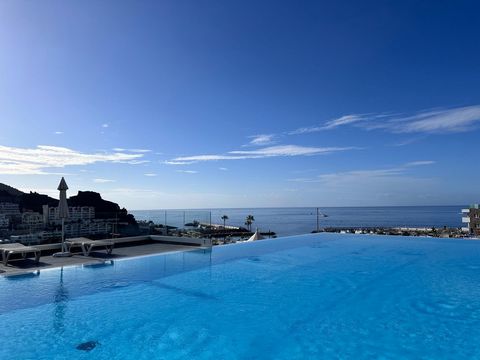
{"x":325,"y":296}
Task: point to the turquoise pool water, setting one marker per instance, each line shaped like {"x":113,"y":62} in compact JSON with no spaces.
{"x":324,"y":296}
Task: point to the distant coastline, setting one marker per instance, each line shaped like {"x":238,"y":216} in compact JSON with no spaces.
{"x":286,"y":221}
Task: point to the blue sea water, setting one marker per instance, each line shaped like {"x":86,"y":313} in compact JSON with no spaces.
{"x":321,"y":296}
{"x":295,"y":221}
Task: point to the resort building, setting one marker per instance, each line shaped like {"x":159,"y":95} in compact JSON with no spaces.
{"x":9,"y":209}
{"x":4,"y":221}
{"x":47,"y":236}
{"x":81,"y":221}
{"x":32,"y":221}
{"x":26,"y":239}
{"x":75,"y":213}
{"x":86,"y":228}
{"x":471,"y":218}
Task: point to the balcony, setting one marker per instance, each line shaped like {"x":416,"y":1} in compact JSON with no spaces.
{"x":465,"y":211}
{"x":466,"y":219}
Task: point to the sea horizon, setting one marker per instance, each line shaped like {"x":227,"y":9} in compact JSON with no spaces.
{"x":296,"y":207}
{"x":287,"y":221}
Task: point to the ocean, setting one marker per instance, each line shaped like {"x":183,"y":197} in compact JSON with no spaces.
{"x":295,"y":221}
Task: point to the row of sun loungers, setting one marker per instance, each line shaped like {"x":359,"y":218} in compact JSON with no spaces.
{"x":86,"y":245}
{"x":16,"y":248}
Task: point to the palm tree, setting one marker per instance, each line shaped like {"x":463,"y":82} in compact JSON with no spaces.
{"x":248,"y":221}
{"x":224,"y":218}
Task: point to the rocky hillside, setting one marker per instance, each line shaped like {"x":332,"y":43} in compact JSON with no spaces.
{"x":33,"y":201}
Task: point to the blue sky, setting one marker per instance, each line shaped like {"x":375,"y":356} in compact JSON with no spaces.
{"x":187,"y":104}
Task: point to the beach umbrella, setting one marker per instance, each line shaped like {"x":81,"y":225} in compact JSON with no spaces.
{"x":63,"y":214}
{"x":256,"y":236}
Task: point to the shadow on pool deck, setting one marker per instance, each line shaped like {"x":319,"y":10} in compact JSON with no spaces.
{"x":18,"y":266}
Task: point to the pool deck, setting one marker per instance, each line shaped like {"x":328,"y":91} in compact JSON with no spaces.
{"x":20,"y":266}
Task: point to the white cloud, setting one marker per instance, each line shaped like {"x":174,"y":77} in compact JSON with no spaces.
{"x":438,"y":121}
{"x":272,"y":151}
{"x":288,"y":150}
{"x":150,"y":174}
{"x":58,"y":132}
{"x":223,"y":168}
{"x":140,"y":151}
{"x":137,"y":162}
{"x":423,"y":122}
{"x":409,"y":140}
{"x":184,"y":160}
{"x":170,"y":162}
{"x":188,"y":171}
{"x":103,"y":181}
{"x":105,"y":125}
{"x":22,"y":161}
{"x":261,"y":140}
{"x":363,"y":174}
{"x":331,"y":124}
{"x":348,"y":175}
{"x":420,"y":163}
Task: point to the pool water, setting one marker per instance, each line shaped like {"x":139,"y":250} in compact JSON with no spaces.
{"x":322,"y":296}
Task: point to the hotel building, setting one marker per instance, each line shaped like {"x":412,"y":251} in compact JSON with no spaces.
{"x":471,"y":218}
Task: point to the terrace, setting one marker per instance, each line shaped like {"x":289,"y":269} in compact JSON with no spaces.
{"x":123,"y":248}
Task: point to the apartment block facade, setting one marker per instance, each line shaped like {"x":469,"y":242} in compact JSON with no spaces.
{"x":471,"y":219}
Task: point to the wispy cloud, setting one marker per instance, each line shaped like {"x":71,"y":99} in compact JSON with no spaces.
{"x":331,"y":124}
{"x":40,"y":160}
{"x":409,"y":140}
{"x":223,"y":168}
{"x":150,"y":174}
{"x":446,"y":120}
{"x":105,"y":125}
{"x":363,"y":174}
{"x":188,"y":171}
{"x":261,"y":140}
{"x":420,"y":163}
{"x":140,"y":151}
{"x":267,"y":152}
{"x":172,"y":162}
{"x":137,"y":162}
{"x":58,"y":132}
{"x":438,"y":121}
{"x":288,"y":150}
{"x":103,"y":181}
{"x":341,"y":176}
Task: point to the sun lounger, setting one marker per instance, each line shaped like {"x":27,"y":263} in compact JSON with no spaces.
{"x":16,"y":248}
{"x":87,"y":245}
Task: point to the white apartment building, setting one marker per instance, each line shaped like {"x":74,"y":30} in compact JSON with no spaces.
{"x":4,"y":221}
{"x":80,"y":222}
{"x":10,"y":209}
{"x":85,"y":228}
{"x":471,"y":218}
{"x":75,"y":213}
{"x":32,"y":221}
{"x":27,"y":239}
